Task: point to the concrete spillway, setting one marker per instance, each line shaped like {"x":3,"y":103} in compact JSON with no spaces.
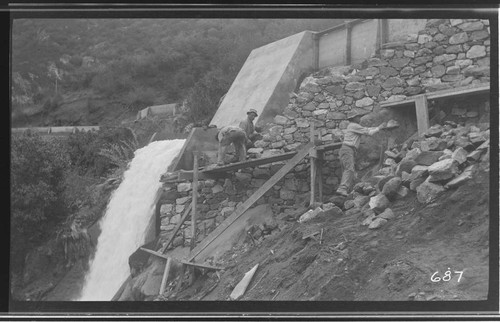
{"x":264,"y":82}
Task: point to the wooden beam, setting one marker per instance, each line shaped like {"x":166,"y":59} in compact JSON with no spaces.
{"x":184,"y":175}
{"x":422,"y":111}
{"x":446,"y":93}
{"x":312,"y":161}
{"x":160,"y":255}
{"x":166,"y":272}
{"x":250,"y":201}
{"x":250,"y":163}
{"x":347,"y":58}
{"x":194,"y":199}
{"x":459,"y":91}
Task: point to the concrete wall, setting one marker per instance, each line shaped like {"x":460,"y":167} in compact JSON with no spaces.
{"x":363,"y":40}
{"x":268,"y":75}
{"x":332,"y":49}
{"x":398,"y":29}
{"x":202,"y":140}
{"x":165,"y":109}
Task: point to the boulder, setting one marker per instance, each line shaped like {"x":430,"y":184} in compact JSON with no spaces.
{"x":360,"y":201}
{"x":428,"y":191}
{"x":387,"y":214}
{"x":377,"y":223}
{"x":405,"y":165}
{"x":435,"y":130}
{"x":348,"y":204}
{"x":442,"y":170}
{"x":330,"y":209}
{"x":459,"y":180}
{"x":414,"y":184}
{"x":428,"y":157}
{"x":474,"y":155}
{"x":459,"y":155}
{"x":402,"y":192}
{"x":378,"y":203}
{"x":391,"y":188}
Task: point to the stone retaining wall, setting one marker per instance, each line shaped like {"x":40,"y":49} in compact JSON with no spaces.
{"x":448,"y":53}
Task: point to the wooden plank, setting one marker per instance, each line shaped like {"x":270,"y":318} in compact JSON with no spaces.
{"x":158,"y":254}
{"x":201,"y":265}
{"x":459,"y":91}
{"x":250,"y":163}
{"x":194,"y":199}
{"x":166,"y":272}
{"x":446,"y":93}
{"x":242,"y":286}
{"x":408,"y":101}
{"x":187,"y":211}
{"x":250,"y":201}
{"x":312,"y":160}
{"x":422,"y":110}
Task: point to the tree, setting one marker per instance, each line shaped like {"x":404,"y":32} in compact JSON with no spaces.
{"x":37,"y":191}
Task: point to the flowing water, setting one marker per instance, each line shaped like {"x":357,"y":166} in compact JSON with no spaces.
{"x":127,"y":217}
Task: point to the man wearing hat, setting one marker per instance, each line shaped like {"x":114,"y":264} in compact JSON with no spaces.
{"x":249,"y":128}
{"x":347,"y":153}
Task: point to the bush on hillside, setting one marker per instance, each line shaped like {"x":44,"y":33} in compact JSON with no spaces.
{"x":37,"y":191}
{"x":84,"y":149}
{"x":203,"y":99}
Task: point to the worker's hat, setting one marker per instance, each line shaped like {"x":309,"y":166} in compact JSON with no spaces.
{"x":252,"y":111}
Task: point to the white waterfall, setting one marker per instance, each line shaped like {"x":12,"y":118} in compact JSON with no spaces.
{"x":128,"y":214}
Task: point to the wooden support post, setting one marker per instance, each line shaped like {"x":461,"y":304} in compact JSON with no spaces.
{"x":320,"y":179}
{"x":313,"y":167}
{"x":422,"y":112}
{"x":195,"y":198}
{"x":166,"y":272}
{"x":348,"y":29}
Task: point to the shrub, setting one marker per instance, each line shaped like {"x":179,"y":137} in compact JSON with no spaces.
{"x":37,"y":191}
{"x":140,"y":98}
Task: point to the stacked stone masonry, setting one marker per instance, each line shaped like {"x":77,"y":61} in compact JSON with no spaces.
{"x":448,"y":53}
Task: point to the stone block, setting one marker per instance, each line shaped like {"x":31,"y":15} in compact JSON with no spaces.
{"x":184,"y":187}
{"x":377,"y":223}
{"x":378,"y":203}
{"x":428,"y":157}
{"x":428,"y":191}
{"x":442,"y":170}
{"x":387,"y":214}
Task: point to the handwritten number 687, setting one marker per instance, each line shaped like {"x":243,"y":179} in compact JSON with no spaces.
{"x":447,"y":276}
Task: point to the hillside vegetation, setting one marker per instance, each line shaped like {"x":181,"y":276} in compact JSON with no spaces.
{"x":129,"y":64}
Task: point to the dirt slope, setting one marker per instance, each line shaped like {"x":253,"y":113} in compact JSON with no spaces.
{"x":352,"y":262}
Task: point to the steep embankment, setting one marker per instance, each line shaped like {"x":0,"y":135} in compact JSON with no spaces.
{"x":352,"y":262}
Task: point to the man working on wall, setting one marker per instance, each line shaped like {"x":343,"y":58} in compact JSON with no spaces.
{"x":231,"y":135}
{"x":347,"y":153}
{"x":249,"y":128}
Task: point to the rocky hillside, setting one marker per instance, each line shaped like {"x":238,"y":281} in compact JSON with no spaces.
{"x":401,"y":223}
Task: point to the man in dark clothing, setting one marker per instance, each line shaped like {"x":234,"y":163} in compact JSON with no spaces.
{"x":249,"y":128}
